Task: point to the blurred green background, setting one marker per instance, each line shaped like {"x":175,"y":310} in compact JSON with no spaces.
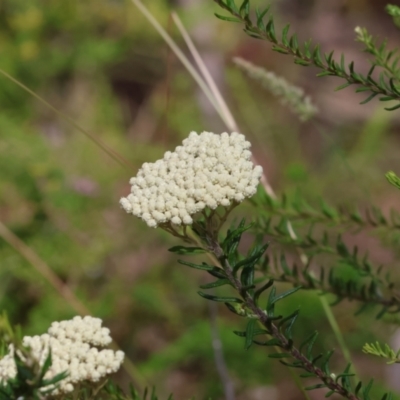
{"x":102,"y":64}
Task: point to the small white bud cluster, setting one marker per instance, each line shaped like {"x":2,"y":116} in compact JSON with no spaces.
{"x":208,"y":170}
{"x":8,"y":369}
{"x":70,"y":343}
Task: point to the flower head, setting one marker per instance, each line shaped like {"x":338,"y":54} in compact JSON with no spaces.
{"x":207,"y":170}
{"x":74,"y":349}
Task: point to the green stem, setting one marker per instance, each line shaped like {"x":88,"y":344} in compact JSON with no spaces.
{"x":336,"y":330}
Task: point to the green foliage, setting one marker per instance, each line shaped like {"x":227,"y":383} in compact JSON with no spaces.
{"x":386,"y":352}
{"x":393,"y":179}
{"x":394,"y":11}
{"x":384,"y":86}
{"x":68,"y":229}
{"x":276,"y":330}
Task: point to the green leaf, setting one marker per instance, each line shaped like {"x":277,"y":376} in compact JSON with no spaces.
{"x":309,"y":342}
{"x":284,"y":35}
{"x":219,"y":282}
{"x":233,"y":237}
{"x":289,"y":322}
{"x":301,"y":62}
{"x":317,"y":386}
{"x":285,"y":294}
{"x":262,"y":289}
{"x":260,"y":18}
{"x":317,"y":56}
{"x":280,"y":50}
{"x":186,"y":250}
{"x":220,"y":299}
{"x":203,"y":266}
{"x":366,"y":390}
{"x":232,"y":6}
{"x":344,"y":86}
{"x":253,"y":259}
{"x":270,"y":29}
{"x":393,"y":179}
{"x":245,"y":9}
{"x":279,"y":355}
{"x":393,"y":108}
{"x":229,"y":19}
{"x":294,"y":44}
{"x":250,"y":328}
{"x":325,"y":73}
{"x":369,"y":98}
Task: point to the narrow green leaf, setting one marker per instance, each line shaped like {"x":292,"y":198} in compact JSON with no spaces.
{"x":317,"y":386}
{"x":363,"y":89}
{"x":307,"y":375}
{"x":285,"y":294}
{"x":366,"y":390}
{"x":262,"y":289}
{"x":225,"y":18}
{"x":270,"y":30}
{"x":317,"y":56}
{"x":260,"y":18}
{"x":232,"y":6}
{"x":393,"y":179}
{"x":217,"y":273}
{"x":294,"y":44}
{"x":244,"y":9}
{"x":280,"y":50}
{"x":328,"y":58}
{"x":290,"y":322}
{"x":387,"y":98}
{"x":310,"y":344}
{"x":344,"y":86}
{"x":342,"y":66}
{"x":186,"y":250}
{"x":203,"y":266}
{"x":301,"y":62}
{"x":325,"y":73}
{"x":382,"y":312}
{"x":250,"y":328}
{"x":219,"y":282}
{"x":358,"y":387}
{"x":279,"y":355}
{"x":220,"y":299}
{"x":393,"y":86}
{"x":392,"y":108}
{"x":369,"y":98}
{"x":273,"y":342}
{"x":284,"y":35}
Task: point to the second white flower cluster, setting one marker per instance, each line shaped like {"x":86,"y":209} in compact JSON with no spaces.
{"x":208,"y":170}
{"x":71,"y":343}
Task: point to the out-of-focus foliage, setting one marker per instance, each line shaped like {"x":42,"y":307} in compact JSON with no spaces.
{"x":102,"y":64}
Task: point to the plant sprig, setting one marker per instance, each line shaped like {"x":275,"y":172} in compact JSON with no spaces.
{"x":275,"y":330}
{"x":307,"y":54}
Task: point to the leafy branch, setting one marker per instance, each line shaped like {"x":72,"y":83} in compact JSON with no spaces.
{"x":298,"y":209}
{"x":386,"y":352}
{"x":370,"y":287}
{"x":368,"y":293}
{"x":239,"y":274}
{"x":381,"y":56}
{"x":307,"y":54}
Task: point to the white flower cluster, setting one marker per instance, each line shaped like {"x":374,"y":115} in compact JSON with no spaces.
{"x":70,"y":343}
{"x":208,"y":170}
